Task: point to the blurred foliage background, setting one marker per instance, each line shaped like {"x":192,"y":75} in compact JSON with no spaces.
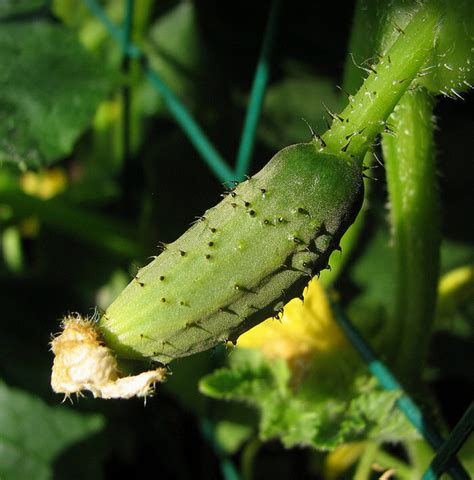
{"x":94,"y":172}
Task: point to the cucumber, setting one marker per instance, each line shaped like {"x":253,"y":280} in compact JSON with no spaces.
{"x":243,"y":259}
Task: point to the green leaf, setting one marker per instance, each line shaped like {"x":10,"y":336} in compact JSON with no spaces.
{"x":177,"y":54}
{"x":32,"y":434}
{"x":8,"y":8}
{"x":50,"y":88}
{"x":310,"y":414}
{"x":249,"y":382}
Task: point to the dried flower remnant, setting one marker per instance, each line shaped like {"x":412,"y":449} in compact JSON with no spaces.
{"x":82,"y":363}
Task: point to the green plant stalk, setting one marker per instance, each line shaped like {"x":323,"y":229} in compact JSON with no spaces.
{"x":355,"y":129}
{"x":420,"y":455}
{"x":353,"y":78}
{"x":373,"y":455}
{"x":403,"y":471}
{"x":364,"y":467}
{"x":412,"y":185}
{"x":249,"y":456}
{"x":94,"y":229}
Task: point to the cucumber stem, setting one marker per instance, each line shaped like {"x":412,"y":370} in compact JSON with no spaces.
{"x":412,"y":185}
{"x":355,"y":129}
{"x":364,"y":467}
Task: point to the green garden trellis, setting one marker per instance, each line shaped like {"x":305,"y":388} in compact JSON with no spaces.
{"x":445,"y":450}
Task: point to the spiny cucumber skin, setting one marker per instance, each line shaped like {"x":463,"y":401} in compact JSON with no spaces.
{"x":242,"y":261}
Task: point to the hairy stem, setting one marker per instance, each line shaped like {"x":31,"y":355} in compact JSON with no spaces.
{"x":355,"y":129}
{"x":352,"y":80}
{"x":412,"y":185}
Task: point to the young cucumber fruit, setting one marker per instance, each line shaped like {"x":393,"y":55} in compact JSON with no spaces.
{"x":242,"y":261}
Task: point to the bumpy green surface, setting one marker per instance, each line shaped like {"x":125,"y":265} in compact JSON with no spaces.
{"x":449,"y":69}
{"x":242,"y":261}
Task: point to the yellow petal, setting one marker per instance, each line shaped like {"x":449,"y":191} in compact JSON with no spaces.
{"x":304,"y":328}
{"x":339,"y":460}
{"x":45,"y":184}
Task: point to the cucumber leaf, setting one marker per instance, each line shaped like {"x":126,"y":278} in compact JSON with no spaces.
{"x":50,"y":88}
{"x":176,"y":52}
{"x":303,"y":415}
{"x":32,"y":434}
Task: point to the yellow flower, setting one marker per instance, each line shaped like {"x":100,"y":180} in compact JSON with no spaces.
{"x":45,"y":184}
{"x":454,"y":288}
{"x":343,"y":457}
{"x":304,"y":330}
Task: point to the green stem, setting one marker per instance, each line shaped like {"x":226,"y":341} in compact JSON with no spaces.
{"x":364,"y":118}
{"x":420,"y":455}
{"x":248,"y":459}
{"x":91,"y":228}
{"x":412,"y":186}
{"x":403,"y":471}
{"x":364,"y":467}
